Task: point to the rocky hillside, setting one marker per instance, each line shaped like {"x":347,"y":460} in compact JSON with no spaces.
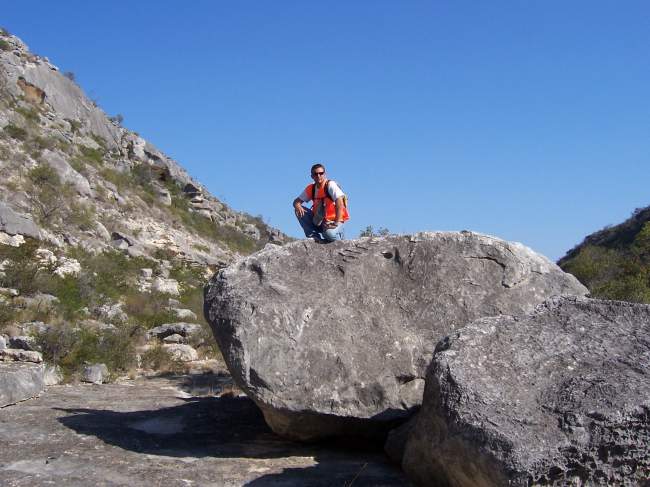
{"x":102,"y":236}
{"x":614,"y":263}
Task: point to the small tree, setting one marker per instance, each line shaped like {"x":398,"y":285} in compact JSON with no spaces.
{"x":369,"y":231}
{"x":47,"y":193}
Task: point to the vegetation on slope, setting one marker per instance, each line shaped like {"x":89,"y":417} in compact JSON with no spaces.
{"x":614,"y":263}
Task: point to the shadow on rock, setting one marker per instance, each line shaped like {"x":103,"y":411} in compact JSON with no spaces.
{"x":213,"y":426}
{"x":354,"y":472}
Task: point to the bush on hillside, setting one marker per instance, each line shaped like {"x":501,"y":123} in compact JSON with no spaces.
{"x":72,"y":348}
{"x":618,"y":271}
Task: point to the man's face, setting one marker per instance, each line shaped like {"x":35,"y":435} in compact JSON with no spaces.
{"x":318,"y":175}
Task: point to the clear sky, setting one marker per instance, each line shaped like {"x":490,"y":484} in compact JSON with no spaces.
{"x":527,"y":120}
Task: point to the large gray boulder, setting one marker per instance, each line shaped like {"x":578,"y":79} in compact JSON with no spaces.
{"x":335,"y":339}
{"x":20,"y":381}
{"x":557,"y":397}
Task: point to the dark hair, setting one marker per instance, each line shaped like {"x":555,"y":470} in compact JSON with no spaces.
{"x":316,"y":166}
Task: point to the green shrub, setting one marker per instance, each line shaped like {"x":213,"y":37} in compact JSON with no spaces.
{"x":148,"y":309}
{"x":48,"y":195}
{"x":30,"y":114}
{"x":4,"y":45}
{"x":120,"y":179}
{"x":21,"y":272}
{"x":75,"y":125}
{"x":6,"y":314}
{"x":369,"y":231}
{"x":159,"y":358}
{"x":99,"y":140}
{"x":82,"y":216}
{"x":17,"y":133}
{"x":44,"y":174}
{"x":72,"y":349}
{"x":93,"y":156}
{"x":71,"y":298}
{"x":36,"y":145}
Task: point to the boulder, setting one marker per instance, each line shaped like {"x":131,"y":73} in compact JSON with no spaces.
{"x":52,"y":375}
{"x":342,"y":346}
{"x":22,"y":342}
{"x":20,"y":355}
{"x":184,"y":314}
{"x":183,"y":329}
{"x":19,"y":381}
{"x":13,"y":223}
{"x":166,"y":286}
{"x":95,"y":373}
{"x":175,"y":338}
{"x":556,"y":397}
{"x":111,"y":313}
{"x":3,"y":342}
{"x":182,"y":353}
{"x":67,"y":267}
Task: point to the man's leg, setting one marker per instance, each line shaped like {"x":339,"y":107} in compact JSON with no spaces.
{"x":308,"y":226}
{"x":335,"y":233}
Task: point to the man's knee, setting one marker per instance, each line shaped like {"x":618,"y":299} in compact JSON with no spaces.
{"x":331,"y":234}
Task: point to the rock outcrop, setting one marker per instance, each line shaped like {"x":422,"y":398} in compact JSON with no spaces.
{"x":335,"y":339}
{"x":557,"y":397}
{"x":118,"y":179}
{"x":20,"y":381}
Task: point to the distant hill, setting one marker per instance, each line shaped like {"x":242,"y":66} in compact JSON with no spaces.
{"x":614,"y":263}
{"x":102,"y":235}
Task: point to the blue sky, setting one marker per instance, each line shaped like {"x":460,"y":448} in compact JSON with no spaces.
{"x":527,"y":120}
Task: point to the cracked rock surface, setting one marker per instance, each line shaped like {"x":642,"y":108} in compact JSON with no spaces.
{"x":560,"y":396}
{"x":165,"y":431}
{"x":335,"y":339}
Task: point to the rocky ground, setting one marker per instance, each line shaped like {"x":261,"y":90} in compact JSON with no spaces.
{"x":173,"y":431}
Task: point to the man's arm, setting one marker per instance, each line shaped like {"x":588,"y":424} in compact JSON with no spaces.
{"x":339,"y":210}
{"x":298,"y":208}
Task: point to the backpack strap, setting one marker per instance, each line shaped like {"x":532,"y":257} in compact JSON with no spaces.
{"x":327,"y":191}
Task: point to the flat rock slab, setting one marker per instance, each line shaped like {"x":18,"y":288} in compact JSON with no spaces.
{"x":20,"y":381}
{"x":156,"y":431}
{"x":335,"y":339}
{"x":557,"y":397}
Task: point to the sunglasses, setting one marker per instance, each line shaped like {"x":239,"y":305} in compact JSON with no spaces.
{"x":317,"y":173}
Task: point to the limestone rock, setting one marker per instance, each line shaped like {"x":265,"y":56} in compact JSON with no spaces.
{"x":95,"y":374}
{"x":19,"y":381}
{"x":67,"y":267}
{"x":175,"y":338}
{"x":183,"y":329}
{"x":184,"y":314}
{"x":13,"y":223}
{"x":165,"y":286}
{"x":52,"y":375}
{"x":22,"y":342}
{"x":9,"y":292}
{"x":252,"y":231}
{"x":111,"y":313}
{"x":343,"y":345}
{"x":555,"y":397}
{"x":11,"y":240}
{"x":3,"y":343}
{"x":67,"y":173}
{"x":183,"y":353}
{"x":20,"y":355}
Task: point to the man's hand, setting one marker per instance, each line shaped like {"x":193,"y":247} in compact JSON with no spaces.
{"x":300,"y":211}
{"x":331,"y":224}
